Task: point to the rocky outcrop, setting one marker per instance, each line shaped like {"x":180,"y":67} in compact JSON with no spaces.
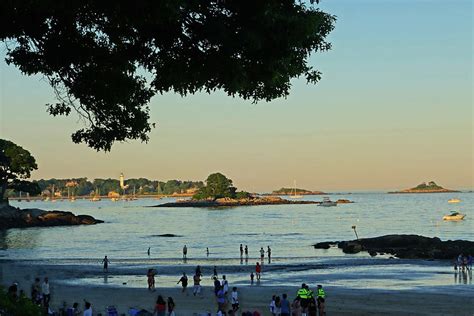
{"x":430,"y":187}
{"x":344,"y":201}
{"x":12,"y":217}
{"x":404,"y":246}
{"x":227,"y":202}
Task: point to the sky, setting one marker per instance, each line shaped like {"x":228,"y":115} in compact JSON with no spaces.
{"x":393,"y":109}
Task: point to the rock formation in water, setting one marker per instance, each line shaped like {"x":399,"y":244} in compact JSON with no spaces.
{"x":13,"y":217}
{"x":404,"y":246}
{"x":268,"y":200}
{"x":430,"y":187}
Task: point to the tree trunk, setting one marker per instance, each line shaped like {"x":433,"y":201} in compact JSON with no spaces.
{"x":3,"y":192}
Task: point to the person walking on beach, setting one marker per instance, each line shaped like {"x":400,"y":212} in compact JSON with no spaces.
{"x":184,"y":282}
{"x":160,"y":306}
{"x":185,"y":252}
{"x":87,"y":309}
{"x":225,"y":285}
{"x":302,"y":295}
{"x":269,"y":252}
{"x":258,"y":271}
{"x":151,"y":279}
{"x":221,"y":299}
{"x":241,"y":251}
{"x":215,"y":272}
{"x":45,"y":292}
{"x":272,"y":306}
{"x":285,"y":306}
{"x":321,"y":300}
{"x":217,"y":285}
{"x":246,"y":252}
{"x":106,"y":262}
{"x":197,"y":284}
{"x":171,"y":307}
{"x":235,"y":299}
{"x":36,"y":291}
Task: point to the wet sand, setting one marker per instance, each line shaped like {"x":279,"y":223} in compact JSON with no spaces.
{"x":340,"y":300}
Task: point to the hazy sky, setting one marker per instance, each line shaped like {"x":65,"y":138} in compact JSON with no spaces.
{"x":394,"y":108}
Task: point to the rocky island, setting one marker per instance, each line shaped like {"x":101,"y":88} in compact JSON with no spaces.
{"x":431,"y":187}
{"x":227,"y":202}
{"x":296,"y":191}
{"x":12,"y":217}
{"x":16,"y":165}
{"x":404,"y":246}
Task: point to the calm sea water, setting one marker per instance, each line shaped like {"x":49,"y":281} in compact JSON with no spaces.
{"x":131,"y":227}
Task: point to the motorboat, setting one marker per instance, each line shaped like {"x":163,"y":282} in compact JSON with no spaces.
{"x":454,"y":216}
{"x":327,"y":202}
{"x":454,"y":200}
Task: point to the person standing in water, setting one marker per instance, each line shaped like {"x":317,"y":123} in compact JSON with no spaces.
{"x":148,"y":251}
{"x":106,"y":262}
{"x":207,"y":251}
{"x":241,"y":251}
{"x":258,"y":270}
{"x":269,"y":252}
{"x":262,"y":253}
{"x":185,"y":252}
{"x":246,"y":252}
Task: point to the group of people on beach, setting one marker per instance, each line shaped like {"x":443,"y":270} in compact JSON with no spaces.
{"x":41,"y":296}
{"x":463,"y":263}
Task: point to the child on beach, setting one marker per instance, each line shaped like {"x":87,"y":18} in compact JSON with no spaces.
{"x":272,"y":306}
{"x":197,"y":284}
{"x":171,"y":307}
{"x":251,"y":277}
{"x":184,"y":282}
{"x":235,"y":299}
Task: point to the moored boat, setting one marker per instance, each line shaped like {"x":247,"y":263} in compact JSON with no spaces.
{"x":327,"y":202}
{"x":454,"y":216}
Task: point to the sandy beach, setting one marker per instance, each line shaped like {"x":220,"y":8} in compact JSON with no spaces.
{"x":340,"y":300}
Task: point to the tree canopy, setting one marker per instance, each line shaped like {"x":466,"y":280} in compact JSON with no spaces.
{"x":219,"y":186}
{"x":105,"y":60}
{"x":16,"y":165}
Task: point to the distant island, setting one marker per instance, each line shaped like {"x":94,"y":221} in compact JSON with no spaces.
{"x":296,"y":191}
{"x":430,"y":187}
{"x":220,"y":192}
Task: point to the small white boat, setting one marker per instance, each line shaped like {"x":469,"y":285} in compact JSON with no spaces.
{"x":454,"y":200}
{"x":293,"y":193}
{"x":327,"y":202}
{"x":455,"y":216}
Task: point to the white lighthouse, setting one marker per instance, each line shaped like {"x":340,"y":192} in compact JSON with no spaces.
{"x":122,"y":184}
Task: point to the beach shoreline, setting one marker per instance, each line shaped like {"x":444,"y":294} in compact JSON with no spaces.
{"x":341,"y":300}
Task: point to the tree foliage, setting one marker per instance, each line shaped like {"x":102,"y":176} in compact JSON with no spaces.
{"x":105,"y":60}
{"x":16,"y":165}
{"x":219,"y":186}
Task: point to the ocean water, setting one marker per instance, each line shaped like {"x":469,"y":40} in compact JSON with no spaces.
{"x":290,"y":230}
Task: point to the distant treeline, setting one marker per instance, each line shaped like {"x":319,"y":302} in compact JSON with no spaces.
{"x":82,"y":186}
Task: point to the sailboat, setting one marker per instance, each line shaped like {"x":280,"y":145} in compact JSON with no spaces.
{"x":293,"y":194}
{"x":96,"y":196}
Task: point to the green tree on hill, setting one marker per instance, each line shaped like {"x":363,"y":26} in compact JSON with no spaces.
{"x":16,"y":165}
{"x":219,"y":186}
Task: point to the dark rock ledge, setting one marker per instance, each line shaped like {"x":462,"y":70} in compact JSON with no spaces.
{"x":12,"y":217}
{"x":404,"y":246}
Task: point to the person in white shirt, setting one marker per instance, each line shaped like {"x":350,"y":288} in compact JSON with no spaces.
{"x":88,"y":309}
{"x":225,"y":285}
{"x":45,"y":291}
{"x":235,"y":299}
